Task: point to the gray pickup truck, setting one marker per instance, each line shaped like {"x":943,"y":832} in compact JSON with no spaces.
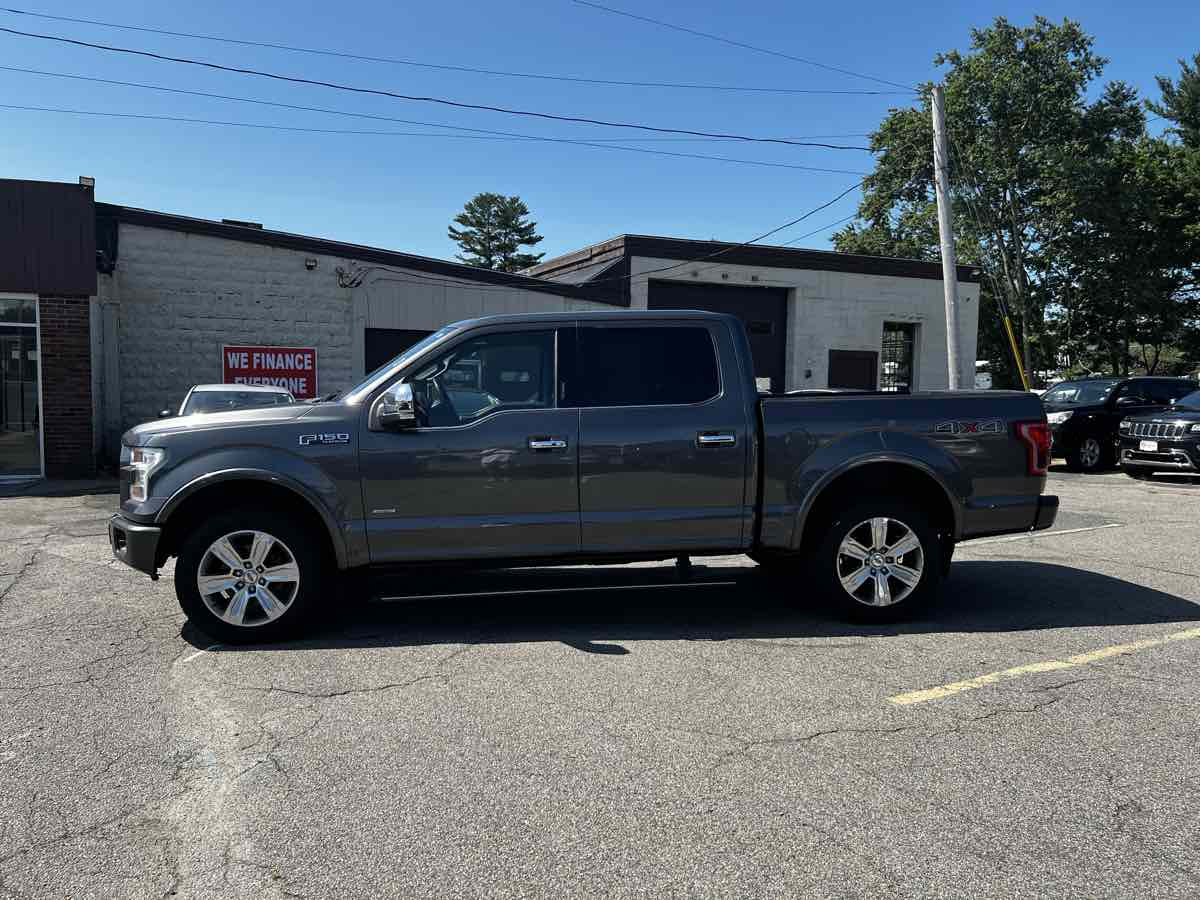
{"x":574,"y":437}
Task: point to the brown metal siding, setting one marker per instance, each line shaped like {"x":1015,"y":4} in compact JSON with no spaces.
{"x":47,"y":238}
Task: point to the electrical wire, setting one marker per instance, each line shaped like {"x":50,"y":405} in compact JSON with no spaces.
{"x":478,"y":137}
{"x":379,"y":92}
{"x":617,"y":278}
{"x":341,"y":54}
{"x":360,"y":115}
{"x":724,"y":40}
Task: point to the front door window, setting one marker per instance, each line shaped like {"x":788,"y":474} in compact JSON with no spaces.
{"x":20,"y":412}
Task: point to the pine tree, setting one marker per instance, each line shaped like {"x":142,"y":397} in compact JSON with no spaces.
{"x":494,"y":229}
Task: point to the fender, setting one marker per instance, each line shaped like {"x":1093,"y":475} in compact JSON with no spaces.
{"x":820,"y":470}
{"x":254,"y":473}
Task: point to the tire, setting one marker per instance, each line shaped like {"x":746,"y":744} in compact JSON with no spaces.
{"x":294,"y":561}
{"x":1089,"y":455}
{"x":884,"y":596}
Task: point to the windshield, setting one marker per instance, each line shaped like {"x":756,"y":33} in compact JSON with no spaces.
{"x":369,"y":383}
{"x":1072,"y":392}
{"x":1189,"y":401}
{"x":224,"y":401}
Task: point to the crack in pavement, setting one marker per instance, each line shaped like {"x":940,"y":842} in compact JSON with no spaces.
{"x":346,"y":692}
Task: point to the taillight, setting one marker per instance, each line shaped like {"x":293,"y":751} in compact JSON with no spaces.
{"x":1036,"y":437}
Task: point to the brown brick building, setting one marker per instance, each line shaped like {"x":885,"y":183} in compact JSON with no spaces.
{"x":47,"y":280}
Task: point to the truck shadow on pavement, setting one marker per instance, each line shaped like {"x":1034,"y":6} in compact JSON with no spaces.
{"x":717,"y":604}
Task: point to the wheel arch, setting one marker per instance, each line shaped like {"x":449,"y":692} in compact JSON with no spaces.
{"x":217,"y":491}
{"x":890,"y":475}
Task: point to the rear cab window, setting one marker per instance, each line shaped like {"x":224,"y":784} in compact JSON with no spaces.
{"x":645,"y":365}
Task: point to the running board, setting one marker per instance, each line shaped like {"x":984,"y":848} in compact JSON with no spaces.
{"x":564,"y":589}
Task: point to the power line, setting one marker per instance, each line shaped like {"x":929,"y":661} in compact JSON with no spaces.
{"x":480,"y":137}
{"x":724,"y":40}
{"x":808,"y":234}
{"x":630,"y":278}
{"x":731,"y":247}
{"x":359,"y":115}
{"x":420,"y":99}
{"x":341,"y":54}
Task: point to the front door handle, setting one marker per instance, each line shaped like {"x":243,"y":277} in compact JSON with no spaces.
{"x":547,"y":443}
{"x":716,"y":439}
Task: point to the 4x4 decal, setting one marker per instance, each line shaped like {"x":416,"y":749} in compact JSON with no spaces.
{"x":991,"y":426}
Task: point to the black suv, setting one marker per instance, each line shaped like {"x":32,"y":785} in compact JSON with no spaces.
{"x":1084,"y":414}
{"x":1168,"y":441}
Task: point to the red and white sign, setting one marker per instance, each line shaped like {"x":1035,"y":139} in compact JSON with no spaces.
{"x":292,"y":368}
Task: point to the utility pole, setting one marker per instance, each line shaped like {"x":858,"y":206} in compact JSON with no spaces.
{"x":941,"y":178}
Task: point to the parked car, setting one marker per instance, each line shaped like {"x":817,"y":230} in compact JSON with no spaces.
{"x":588,"y":437}
{"x":211,"y":398}
{"x":1084,"y":414}
{"x":1168,"y":441}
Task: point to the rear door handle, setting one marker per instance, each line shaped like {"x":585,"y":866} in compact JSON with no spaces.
{"x":547,"y":443}
{"x":716,"y":439}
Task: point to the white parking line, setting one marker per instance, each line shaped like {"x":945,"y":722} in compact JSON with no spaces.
{"x":199,"y":653}
{"x":1038,"y":534}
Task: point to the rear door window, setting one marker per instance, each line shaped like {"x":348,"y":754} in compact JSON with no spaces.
{"x":1166,"y":392}
{"x":645,"y":366}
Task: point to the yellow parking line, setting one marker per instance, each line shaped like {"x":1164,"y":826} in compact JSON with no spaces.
{"x":1052,"y":665}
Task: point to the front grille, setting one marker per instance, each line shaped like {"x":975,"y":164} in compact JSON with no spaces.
{"x":1157,"y":429}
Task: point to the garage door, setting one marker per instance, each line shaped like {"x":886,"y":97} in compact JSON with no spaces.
{"x":762,"y":310}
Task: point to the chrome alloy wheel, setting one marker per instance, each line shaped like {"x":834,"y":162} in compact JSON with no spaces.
{"x":1089,"y":453}
{"x":248,"y":578}
{"x":880,"y":561}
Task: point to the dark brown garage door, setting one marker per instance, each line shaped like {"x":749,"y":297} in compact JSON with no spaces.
{"x":857,"y":369}
{"x":762,"y":310}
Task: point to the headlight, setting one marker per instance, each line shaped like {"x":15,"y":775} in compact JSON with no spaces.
{"x":142,"y":463}
{"x":1125,"y":425}
{"x":1059,"y":417}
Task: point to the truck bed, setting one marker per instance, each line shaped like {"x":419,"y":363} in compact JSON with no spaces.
{"x":966,"y":441}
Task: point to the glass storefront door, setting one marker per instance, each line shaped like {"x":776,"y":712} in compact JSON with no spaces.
{"x":20,"y":410}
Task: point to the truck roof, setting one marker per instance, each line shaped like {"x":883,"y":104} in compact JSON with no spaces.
{"x":591,"y":315}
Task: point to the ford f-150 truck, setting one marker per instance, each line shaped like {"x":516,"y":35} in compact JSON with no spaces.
{"x":575,"y":437}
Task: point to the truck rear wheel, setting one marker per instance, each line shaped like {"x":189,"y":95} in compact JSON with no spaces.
{"x":250,"y":576}
{"x":880,"y":560}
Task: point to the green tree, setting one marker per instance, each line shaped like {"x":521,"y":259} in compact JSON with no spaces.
{"x":1018,"y":121}
{"x":494,"y":229}
{"x":1126,"y":265}
{"x":1180,"y":103}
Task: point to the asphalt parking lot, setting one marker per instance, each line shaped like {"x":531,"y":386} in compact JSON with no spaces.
{"x":1035,"y":735}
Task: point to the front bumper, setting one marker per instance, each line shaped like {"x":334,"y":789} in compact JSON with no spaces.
{"x":135,"y":545}
{"x":1047,"y":512}
{"x":1170,"y":456}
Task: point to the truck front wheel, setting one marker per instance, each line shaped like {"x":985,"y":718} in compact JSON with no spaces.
{"x":249,"y":576}
{"x":880,"y":560}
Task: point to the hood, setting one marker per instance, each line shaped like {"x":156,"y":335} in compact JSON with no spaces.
{"x":1072,"y":407}
{"x":140,"y":435}
{"x":1169,"y":416}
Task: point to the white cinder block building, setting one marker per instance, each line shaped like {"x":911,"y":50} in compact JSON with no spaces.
{"x":177,"y":299}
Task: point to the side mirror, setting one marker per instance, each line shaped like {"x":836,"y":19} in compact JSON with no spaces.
{"x":1130,"y":401}
{"x":395,"y":408}
{"x":165,"y":413}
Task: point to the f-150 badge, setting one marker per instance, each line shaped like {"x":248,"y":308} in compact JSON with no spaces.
{"x":991,"y":426}
{"x":329,"y":438}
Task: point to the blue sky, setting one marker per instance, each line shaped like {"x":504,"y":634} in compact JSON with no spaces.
{"x":400,"y":192}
